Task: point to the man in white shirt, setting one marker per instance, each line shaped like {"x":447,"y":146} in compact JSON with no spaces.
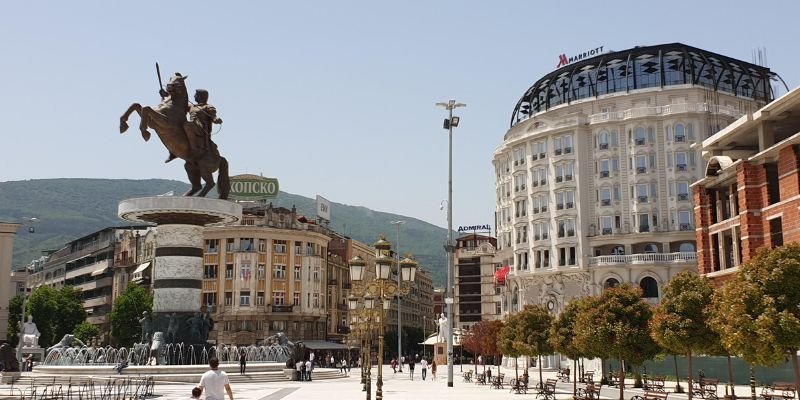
{"x":309,"y":368}
{"x":214,"y":380}
{"x":424,"y":365}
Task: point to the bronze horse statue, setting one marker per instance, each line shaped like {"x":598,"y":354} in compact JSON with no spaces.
{"x":170,"y":123}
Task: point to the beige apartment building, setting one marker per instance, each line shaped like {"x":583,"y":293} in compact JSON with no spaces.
{"x":477,"y":292}
{"x":7,"y":232}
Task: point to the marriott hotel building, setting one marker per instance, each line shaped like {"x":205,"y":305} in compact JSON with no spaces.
{"x":593,"y":176}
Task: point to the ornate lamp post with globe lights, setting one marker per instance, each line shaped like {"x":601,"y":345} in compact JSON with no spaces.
{"x":371,"y":299}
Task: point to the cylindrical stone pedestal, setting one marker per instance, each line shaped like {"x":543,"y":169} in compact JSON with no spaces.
{"x":178,"y":265}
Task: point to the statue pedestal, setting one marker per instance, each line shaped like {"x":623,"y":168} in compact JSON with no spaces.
{"x":9,"y":377}
{"x":440,"y":353}
{"x":178,"y":264}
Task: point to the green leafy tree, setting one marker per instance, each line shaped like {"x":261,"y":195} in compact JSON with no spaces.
{"x":56,"y":312}
{"x":562,"y":334}
{"x":85,"y":331}
{"x":509,"y":336}
{"x":534,"y":331}
{"x":757,"y":313}
{"x":126,"y":312}
{"x":14,"y":319}
{"x":679,"y":322}
{"x":617,"y":326}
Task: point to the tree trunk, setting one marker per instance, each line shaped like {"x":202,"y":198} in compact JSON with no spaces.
{"x":539,"y":361}
{"x":752,"y":382}
{"x":621,"y":379}
{"x":730,"y":378}
{"x":575,"y":381}
{"x":689,"y":370}
{"x":796,"y":368}
{"x":678,"y":388}
{"x":516,"y":373}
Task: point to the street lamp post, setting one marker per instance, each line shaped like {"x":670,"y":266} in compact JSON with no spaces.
{"x":399,"y":299}
{"x":29,"y":221}
{"x":377,"y":295}
{"x":449,"y":123}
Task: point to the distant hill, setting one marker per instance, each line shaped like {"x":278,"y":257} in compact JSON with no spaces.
{"x":67,"y":209}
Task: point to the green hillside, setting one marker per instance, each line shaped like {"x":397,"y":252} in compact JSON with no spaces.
{"x":67,"y":209}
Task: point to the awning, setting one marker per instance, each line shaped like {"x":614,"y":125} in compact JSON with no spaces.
{"x":323,"y":345}
{"x":500,"y":275}
{"x":141,"y":267}
{"x":100,"y":271}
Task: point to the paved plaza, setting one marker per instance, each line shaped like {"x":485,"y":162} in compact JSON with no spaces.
{"x":396,"y":386}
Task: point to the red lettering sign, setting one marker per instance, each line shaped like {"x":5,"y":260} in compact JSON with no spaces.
{"x":562,"y":60}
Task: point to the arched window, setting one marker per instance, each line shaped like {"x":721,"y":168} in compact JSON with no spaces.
{"x":680,"y":133}
{"x":602,"y":140}
{"x":686,"y":248}
{"x":651,"y":248}
{"x":618,"y":251}
{"x":610,"y":283}
{"x":649,"y":287}
{"x":515,"y":300}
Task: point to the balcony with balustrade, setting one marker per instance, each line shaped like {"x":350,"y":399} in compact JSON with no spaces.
{"x":643,"y":259}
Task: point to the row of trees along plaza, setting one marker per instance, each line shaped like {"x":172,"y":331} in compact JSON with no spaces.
{"x":755,"y":315}
{"x":60,"y":312}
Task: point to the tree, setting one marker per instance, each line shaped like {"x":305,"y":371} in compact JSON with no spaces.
{"x":85,"y":331}
{"x":617,"y":327}
{"x":562,"y":334}
{"x":509,"y":336}
{"x":756,"y":313}
{"x":14,"y":319}
{"x":126,"y":312}
{"x":483,"y":338}
{"x":679,"y":322}
{"x":533,"y":330}
{"x":45,"y":303}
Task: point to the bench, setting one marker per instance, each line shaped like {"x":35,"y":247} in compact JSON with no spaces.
{"x":563,"y":374}
{"x":705,"y":388}
{"x":548,"y":390}
{"x":616,"y":379}
{"x":779,"y":391}
{"x":519,"y":386}
{"x":648,"y":395}
{"x":654,"y":383}
{"x":467,"y":376}
{"x":590,"y":392}
{"x":587,"y":377}
{"x":480,"y":379}
{"x":497,"y":381}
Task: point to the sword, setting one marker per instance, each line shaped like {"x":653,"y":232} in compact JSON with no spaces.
{"x":158,"y":72}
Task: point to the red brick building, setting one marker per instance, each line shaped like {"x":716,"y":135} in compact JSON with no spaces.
{"x":749,"y":197}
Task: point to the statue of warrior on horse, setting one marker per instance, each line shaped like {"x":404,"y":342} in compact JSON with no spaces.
{"x":189,"y":140}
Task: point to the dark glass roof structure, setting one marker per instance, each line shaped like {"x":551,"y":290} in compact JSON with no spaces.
{"x":646,"y":67}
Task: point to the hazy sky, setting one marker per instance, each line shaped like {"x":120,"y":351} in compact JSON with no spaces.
{"x":331,"y":97}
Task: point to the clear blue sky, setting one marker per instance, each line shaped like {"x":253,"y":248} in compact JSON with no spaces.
{"x":331,"y":97}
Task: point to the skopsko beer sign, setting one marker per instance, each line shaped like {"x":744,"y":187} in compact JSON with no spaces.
{"x":253,"y":187}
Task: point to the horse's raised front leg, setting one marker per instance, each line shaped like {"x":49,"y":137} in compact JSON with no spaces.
{"x":194,"y":178}
{"x":123,"y":120}
{"x":208,"y":176}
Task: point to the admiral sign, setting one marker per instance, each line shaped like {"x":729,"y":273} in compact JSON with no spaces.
{"x":475,"y":228}
{"x":253,"y":187}
{"x":564,"y":60}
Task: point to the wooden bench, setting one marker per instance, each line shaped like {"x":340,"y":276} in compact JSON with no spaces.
{"x":480,"y":379}
{"x":654,"y":383}
{"x":705,"y":388}
{"x":548,"y":390}
{"x":497,"y":381}
{"x":563,"y":374}
{"x":779,"y":391}
{"x":590,"y":392}
{"x":467,"y":376}
{"x":616,"y":379}
{"x":648,"y":395}
{"x":587,"y":377}
{"x":519,"y":386}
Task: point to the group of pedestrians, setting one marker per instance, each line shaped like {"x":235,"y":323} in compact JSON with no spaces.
{"x":397,"y":366}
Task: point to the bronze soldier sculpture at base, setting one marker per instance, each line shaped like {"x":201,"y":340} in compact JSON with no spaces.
{"x":188,"y":140}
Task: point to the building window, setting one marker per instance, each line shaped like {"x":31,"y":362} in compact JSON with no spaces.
{"x":296,"y":299}
{"x":566,"y":256}
{"x":606,"y":225}
{"x":229,"y":245}
{"x":261,"y":271}
{"x":279,"y":272}
{"x":296,"y":273}
{"x":566,"y":227}
{"x":260,"y":299}
{"x":316,"y":300}
{"x":610,"y":283}
{"x":685,"y":220}
{"x":776,"y":231}
{"x":682,"y":188}
{"x":210,"y":271}
{"x":641,"y":164}
{"x":603,"y":168}
{"x":228,"y":298}
{"x":278,"y":298}
{"x":639,"y":136}
{"x":244,"y":299}
{"x":262,"y":245}
{"x":212,"y":245}
{"x":602,"y":140}
{"x":245,"y":244}
{"x":604,"y":196}
{"x":228,"y":271}
{"x":279,"y":246}
{"x":644,"y":223}
{"x":209,"y":299}
{"x":649,"y":287}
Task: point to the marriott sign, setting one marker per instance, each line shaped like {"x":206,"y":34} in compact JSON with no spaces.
{"x":564,"y":60}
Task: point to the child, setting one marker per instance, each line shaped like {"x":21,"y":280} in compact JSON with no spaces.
{"x":196,"y":392}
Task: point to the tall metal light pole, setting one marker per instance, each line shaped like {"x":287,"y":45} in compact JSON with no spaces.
{"x":449,"y":123}
{"x":29,"y":221}
{"x":399,"y":307}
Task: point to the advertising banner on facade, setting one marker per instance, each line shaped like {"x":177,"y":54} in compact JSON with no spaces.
{"x":253,"y":187}
{"x":323,"y":208}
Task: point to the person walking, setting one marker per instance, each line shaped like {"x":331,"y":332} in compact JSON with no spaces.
{"x":309,"y":366}
{"x":400,"y":364}
{"x":433,"y":370}
{"x":344,"y":366}
{"x":423,"y":365}
{"x":411,"y":365}
{"x":214,"y":381}
{"x":393,"y":363}
{"x":242,"y":361}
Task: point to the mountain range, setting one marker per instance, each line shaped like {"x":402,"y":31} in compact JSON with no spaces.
{"x":69,"y":208}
